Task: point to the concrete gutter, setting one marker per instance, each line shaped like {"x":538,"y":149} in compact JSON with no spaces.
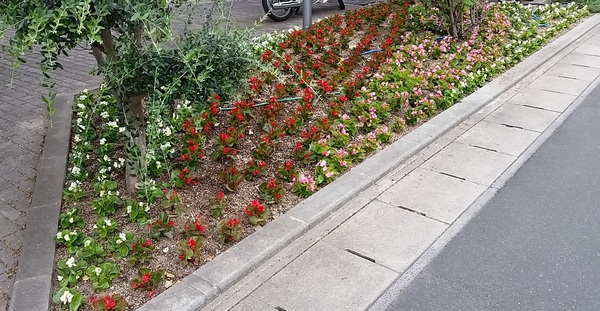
{"x":33,"y":283}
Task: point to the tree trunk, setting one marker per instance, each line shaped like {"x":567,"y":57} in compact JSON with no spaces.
{"x":137,"y":115}
{"x":452,"y":19}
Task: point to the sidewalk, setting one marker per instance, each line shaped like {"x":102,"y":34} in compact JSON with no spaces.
{"x":347,"y":261}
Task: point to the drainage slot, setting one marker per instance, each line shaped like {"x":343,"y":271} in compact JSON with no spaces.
{"x":565,"y":77}
{"x":580,"y":65}
{"x":412,"y":210}
{"x":280,"y":309}
{"x":484,"y":148}
{"x":513,"y":126}
{"x":534,"y":107}
{"x":454,"y":176}
{"x":360,"y":255}
{"x":553,"y":91}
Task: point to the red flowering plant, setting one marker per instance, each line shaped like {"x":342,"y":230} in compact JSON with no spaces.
{"x":217,"y":205}
{"x":141,"y":252}
{"x":189,"y":249}
{"x":240,"y":113}
{"x":264,"y":148}
{"x":257,"y":213}
{"x":288,"y":172}
{"x":147,"y":279}
{"x":193,"y":227}
{"x":162,"y":226}
{"x":254,"y":168}
{"x":229,"y":230}
{"x":293,"y":123}
{"x":231,"y":177}
{"x":224,"y":144}
{"x":172,"y":201}
{"x":106,"y":302}
{"x":270,"y":191}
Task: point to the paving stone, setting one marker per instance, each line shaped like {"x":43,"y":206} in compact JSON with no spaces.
{"x":588,"y":49}
{"x":493,"y":136}
{"x":35,"y":294}
{"x":583,"y":60}
{"x":251,"y":304}
{"x":326,"y":278}
{"x":560,"y":84}
{"x":525,"y":117}
{"x":436,"y":195}
{"x":7,"y":226}
{"x":3,"y":303}
{"x":574,"y":71}
{"x":401,"y":235}
{"x":543,"y":99}
{"x":472,"y":163}
{"x":10,"y":213}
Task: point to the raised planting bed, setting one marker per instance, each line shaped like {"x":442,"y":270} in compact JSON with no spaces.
{"x":325,"y":99}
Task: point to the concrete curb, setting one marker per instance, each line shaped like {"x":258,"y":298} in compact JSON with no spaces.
{"x":196,"y":290}
{"x":33,"y":282}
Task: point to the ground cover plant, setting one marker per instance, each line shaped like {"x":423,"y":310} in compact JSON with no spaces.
{"x":318,"y":102}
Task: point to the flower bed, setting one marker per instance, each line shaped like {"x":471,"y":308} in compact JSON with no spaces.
{"x":214,"y":173}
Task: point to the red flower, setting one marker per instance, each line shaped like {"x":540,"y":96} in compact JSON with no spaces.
{"x":185,"y":170}
{"x":188,"y":180}
{"x":171,"y":223}
{"x":198,"y":226}
{"x":184,"y":157}
{"x":343,"y":98}
{"x":193,"y":148}
{"x":232,"y":222}
{"x":191,"y":243}
{"x":145,"y":277}
{"x":150,"y":294}
{"x":92,"y":299}
{"x":135,"y":285}
{"x":147,"y":243}
{"x":225,"y":150}
{"x":109,"y":303}
{"x":180,"y":256}
{"x":220,"y":196}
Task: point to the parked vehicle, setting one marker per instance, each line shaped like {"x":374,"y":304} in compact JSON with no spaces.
{"x":279,"y":11}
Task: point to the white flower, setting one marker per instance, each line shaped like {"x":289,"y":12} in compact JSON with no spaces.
{"x":106,"y":158}
{"x":98,"y":271}
{"x":122,"y":236}
{"x":108,"y":222}
{"x":81,"y":106}
{"x":59,"y":277}
{"x":119,"y":241}
{"x":121,"y":129}
{"x":67,"y":237}
{"x":102,"y":141}
{"x":112,"y":124}
{"x":128,"y":209}
{"x":76,"y":138}
{"x":87,"y":243}
{"x":82,"y":97}
{"x":66,"y":297}
{"x":75,"y":170}
{"x":167,"y":131}
{"x":70,"y":262}
{"x":59,"y":235}
{"x":104,"y":115}
{"x":71,"y":220}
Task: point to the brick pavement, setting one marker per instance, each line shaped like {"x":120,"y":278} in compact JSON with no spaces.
{"x":23,"y":122}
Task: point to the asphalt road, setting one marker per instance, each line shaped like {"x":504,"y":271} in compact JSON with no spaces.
{"x":536,"y":244}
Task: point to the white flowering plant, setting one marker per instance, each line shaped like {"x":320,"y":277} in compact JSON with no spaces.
{"x":70,"y":219}
{"x":91,"y":251}
{"x":102,"y":274}
{"x":71,"y":239}
{"x":69,"y":271}
{"x":120,"y":244}
{"x":104,"y":226}
{"x":67,"y":297}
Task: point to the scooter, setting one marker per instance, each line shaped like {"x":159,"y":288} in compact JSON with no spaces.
{"x":280,"y":11}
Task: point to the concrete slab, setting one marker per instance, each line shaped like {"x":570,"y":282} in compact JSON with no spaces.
{"x":561,"y":84}
{"x":574,"y":71}
{"x":471,"y":163}
{"x":582,"y":60}
{"x":543,"y":99}
{"x":436,"y":195}
{"x":326,"y":278}
{"x":251,"y":304}
{"x":397,"y":244}
{"x":494,"y":136}
{"x":529,"y":118}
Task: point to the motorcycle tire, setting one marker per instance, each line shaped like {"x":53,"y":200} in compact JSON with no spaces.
{"x":276,"y":15}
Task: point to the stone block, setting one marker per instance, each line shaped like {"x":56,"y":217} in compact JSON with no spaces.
{"x":574,"y":71}
{"x":522,"y":116}
{"x":251,"y":304}
{"x":436,"y":195}
{"x":498,"y":137}
{"x":400,"y":236}
{"x":31,"y":294}
{"x":326,"y":278}
{"x":560,"y":84}
{"x":471,"y":163}
{"x":543,"y":99}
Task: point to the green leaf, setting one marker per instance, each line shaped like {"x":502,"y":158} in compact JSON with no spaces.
{"x":76,"y":302}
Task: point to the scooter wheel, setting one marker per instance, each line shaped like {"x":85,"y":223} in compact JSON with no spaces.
{"x":278,"y":15}
{"x":342,"y":5}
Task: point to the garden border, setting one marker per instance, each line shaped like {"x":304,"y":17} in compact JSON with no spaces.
{"x":33,"y":283}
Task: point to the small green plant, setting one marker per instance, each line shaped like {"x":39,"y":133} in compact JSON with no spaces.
{"x":229,"y":230}
{"x":72,"y":240}
{"x":189,"y":249}
{"x":106,"y":302}
{"x":137,"y":212}
{"x":70,"y":219}
{"x":91,"y":251}
{"x":162,"y":226}
{"x":172,"y":201}
{"x":106,"y":205}
{"x":288,"y":172}
{"x":102,"y":275}
{"x":270,"y":191}
{"x":147,"y":279}
{"x":217,"y":205}
{"x":254,"y":168}
{"x":67,"y":297}
{"x":141,"y":252}
{"x":232,"y":178}
{"x":120,"y":244}
{"x":193,"y":227}
{"x":257,"y":213}
{"x":69,"y":271}
{"x":104,"y":227}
